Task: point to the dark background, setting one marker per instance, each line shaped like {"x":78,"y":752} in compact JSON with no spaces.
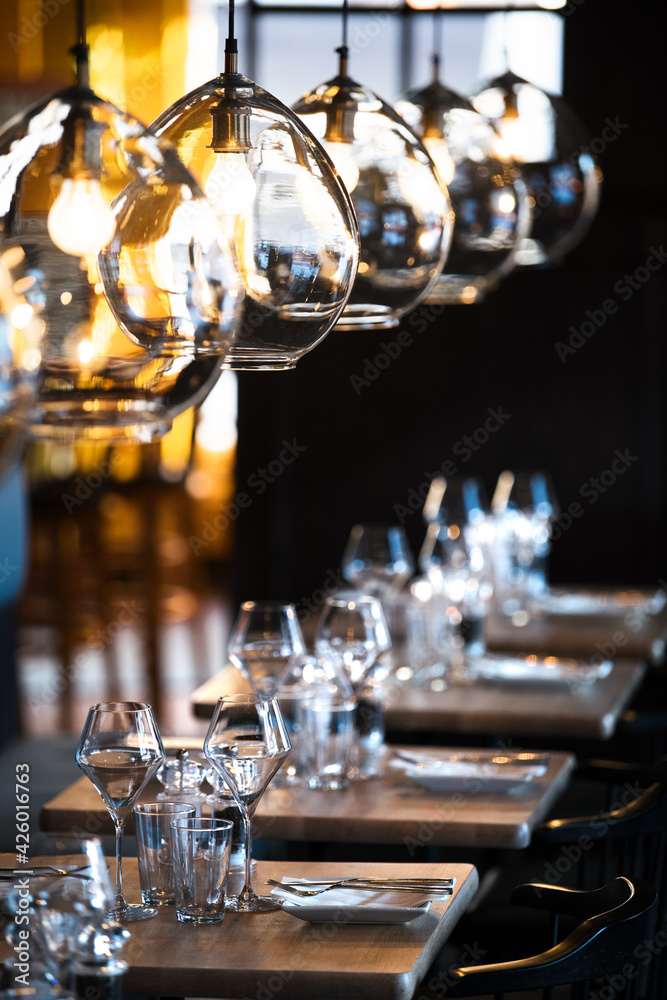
{"x":365,"y":450}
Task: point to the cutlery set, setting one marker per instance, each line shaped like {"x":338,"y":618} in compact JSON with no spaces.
{"x":444,"y":886}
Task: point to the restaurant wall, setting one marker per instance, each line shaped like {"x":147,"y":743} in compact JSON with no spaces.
{"x":358,"y":428}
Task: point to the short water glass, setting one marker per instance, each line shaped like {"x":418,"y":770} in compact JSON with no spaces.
{"x":152,"y":824}
{"x":201,"y":850}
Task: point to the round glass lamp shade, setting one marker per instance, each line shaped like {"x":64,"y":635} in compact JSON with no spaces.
{"x":290,"y":220}
{"x":101,"y":225}
{"x":403,"y":210}
{"x":491,"y":211}
{"x":546,"y":139}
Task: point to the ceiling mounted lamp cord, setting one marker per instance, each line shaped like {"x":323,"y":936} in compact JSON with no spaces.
{"x":403,"y":207}
{"x":120,"y":291}
{"x":290,"y":220}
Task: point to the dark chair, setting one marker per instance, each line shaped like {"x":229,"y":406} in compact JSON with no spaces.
{"x":631,"y":838}
{"x":608,"y":950}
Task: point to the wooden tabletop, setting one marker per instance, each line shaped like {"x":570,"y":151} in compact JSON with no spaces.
{"x":276,"y":954}
{"x":634,"y":634}
{"x":392,"y":810}
{"x":488,"y":707}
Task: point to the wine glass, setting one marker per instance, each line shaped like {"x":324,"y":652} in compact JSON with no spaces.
{"x":265,"y":639}
{"x":377,"y":559}
{"x":246,"y":743}
{"x":120,"y":750}
{"x":353,"y":627}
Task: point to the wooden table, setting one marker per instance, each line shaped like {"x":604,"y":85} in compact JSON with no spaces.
{"x":393,"y":810}
{"x":633,"y":635}
{"x":488,"y":707}
{"x":277,"y":955}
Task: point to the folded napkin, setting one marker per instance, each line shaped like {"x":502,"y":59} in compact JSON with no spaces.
{"x":440,"y":774}
{"x":345,"y":898}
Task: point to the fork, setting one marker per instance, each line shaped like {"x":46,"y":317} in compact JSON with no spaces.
{"x":445,"y":886}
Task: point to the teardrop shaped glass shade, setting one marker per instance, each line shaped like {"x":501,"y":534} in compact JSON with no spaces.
{"x":403,"y":210}
{"x":546,"y":139}
{"x":88,"y":377}
{"x":289,"y":219}
{"x":491,"y":210}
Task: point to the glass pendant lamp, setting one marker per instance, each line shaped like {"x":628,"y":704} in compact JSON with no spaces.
{"x":546,"y":139}
{"x":289,"y":218}
{"x":403,"y":209}
{"x":101,"y":225}
{"x":491,"y":210}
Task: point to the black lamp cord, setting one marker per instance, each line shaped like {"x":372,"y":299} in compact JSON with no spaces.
{"x":80,"y":50}
{"x":231,"y":45}
{"x":343,"y":50}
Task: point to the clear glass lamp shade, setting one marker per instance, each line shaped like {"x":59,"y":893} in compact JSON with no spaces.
{"x":290,"y":220}
{"x":403,"y":209}
{"x":489,"y":198}
{"x":547,"y":141}
{"x":121,"y":291}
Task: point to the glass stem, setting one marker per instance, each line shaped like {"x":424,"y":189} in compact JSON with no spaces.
{"x":120,"y":898}
{"x":247,"y":891}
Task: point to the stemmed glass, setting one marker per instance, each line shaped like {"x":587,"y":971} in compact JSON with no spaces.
{"x":246,"y":743}
{"x":265,"y":640}
{"x":377,"y":559}
{"x":353,"y":627}
{"x":120,"y":750}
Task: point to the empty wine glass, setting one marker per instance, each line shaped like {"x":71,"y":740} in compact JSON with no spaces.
{"x":377,"y":559}
{"x":120,"y":750}
{"x":264,"y":642}
{"x":246,"y":743}
{"x":353,"y":627}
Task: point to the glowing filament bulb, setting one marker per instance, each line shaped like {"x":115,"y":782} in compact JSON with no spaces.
{"x":230,"y":187}
{"x":437,"y":150}
{"x":343,"y":160}
{"x":80,"y":222}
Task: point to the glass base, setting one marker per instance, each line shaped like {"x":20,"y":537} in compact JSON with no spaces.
{"x":457,"y":289}
{"x":131,"y":912}
{"x":107,"y":421}
{"x":195,"y":917}
{"x":258,"y":904}
{"x":367,"y":317}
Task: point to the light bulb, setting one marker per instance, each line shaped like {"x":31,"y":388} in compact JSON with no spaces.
{"x":80,"y":222}
{"x":343,"y":160}
{"x":230,"y":187}
{"x":437,"y":150}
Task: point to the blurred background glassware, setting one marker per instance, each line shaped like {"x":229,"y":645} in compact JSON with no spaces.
{"x":325,"y":718}
{"x":246,"y":742}
{"x":459,"y":587}
{"x":120,"y":750}
{"x":182,"y":777}
{"x":489,"y":198}
{"x":549,"y":144}
{"x":353,"y":627}
{"x":403,"y":209}
{"x":119,"y":318}
{"x":524,"y":507}
{"x":62,"y":910}
{"x":200,"y":851}
{"x":377,"y":559}
{"x":154,"y":848}
{"x":265,"y":642}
